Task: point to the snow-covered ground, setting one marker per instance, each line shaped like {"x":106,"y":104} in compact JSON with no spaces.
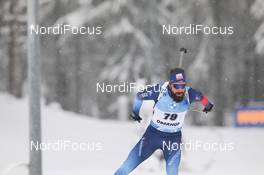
{"x":115,"y":139}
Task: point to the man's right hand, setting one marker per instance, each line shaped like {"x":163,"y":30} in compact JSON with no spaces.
{"x":135,"y":117}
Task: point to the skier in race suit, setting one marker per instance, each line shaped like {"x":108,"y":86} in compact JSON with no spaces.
{"x":172,"y":100}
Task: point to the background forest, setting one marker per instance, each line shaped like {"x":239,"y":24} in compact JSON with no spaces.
{"x":227,"y":68}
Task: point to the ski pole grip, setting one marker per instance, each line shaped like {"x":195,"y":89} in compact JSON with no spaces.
{"x":184,"y":50}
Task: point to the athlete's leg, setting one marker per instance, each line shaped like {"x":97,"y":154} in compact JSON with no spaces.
{"x":173,"y":155}
{"x":173,"y":159}
{"x":143,"y":149}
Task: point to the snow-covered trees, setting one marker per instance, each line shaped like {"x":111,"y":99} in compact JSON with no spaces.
{"x":257,"y":10}
{"x":132,"y":47}
{"x":13,"y":40}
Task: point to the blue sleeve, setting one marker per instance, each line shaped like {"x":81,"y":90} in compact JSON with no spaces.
{"x":150,"y":93}
{"x":137,"y":105}
{"x":194,"y":95}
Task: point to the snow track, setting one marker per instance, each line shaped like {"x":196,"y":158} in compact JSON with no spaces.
{"x":116,"y":139}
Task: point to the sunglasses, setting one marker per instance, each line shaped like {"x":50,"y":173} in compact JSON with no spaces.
{"x":180,"y":86}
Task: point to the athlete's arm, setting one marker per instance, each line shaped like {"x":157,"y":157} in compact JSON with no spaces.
{"x":150,"y":93}
{"x":195,"y":95}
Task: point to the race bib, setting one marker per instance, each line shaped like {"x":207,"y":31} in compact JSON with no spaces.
{"x":167,"y":121}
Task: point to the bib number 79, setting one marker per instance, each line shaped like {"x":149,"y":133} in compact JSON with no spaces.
{"x":170,"y":116}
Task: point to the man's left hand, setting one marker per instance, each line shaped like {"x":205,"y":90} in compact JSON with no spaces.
{"x":208,"y":108}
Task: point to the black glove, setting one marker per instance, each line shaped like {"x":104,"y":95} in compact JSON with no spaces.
{"x":135,"y":117}
{"x":208,"y":108}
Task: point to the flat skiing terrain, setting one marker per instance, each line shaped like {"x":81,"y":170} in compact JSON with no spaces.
{"x":108,"y":142}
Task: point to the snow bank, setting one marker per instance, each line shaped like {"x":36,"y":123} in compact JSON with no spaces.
{"x":116,"y":139}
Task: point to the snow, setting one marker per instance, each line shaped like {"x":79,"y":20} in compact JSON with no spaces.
{"x":257,"y":11}
{"x":85,"y":14}
{"x":123,"y":27}
{"x":116,"y":139}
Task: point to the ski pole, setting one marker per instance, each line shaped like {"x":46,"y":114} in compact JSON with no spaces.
{"x":183,"y":51}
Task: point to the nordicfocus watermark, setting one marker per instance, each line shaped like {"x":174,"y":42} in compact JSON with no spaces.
{"x":66,"y":145}
{"x":195,"y":29}
{"x":124,"y":87}
{"x":62,"y":29}
{"x":199,"y":145}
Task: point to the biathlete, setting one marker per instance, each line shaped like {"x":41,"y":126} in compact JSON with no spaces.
{"x":172,"y":100}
